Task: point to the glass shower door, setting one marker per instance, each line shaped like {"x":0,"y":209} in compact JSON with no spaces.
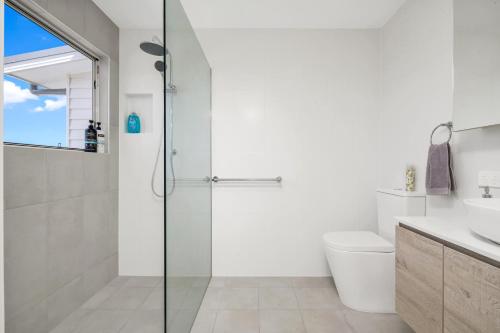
{"x":188,"y":171}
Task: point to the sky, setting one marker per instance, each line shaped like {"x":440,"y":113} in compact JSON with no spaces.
{"x":29,"y":118}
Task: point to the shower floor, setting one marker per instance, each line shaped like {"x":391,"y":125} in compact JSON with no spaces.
{"x":285,"y":305}
{"x":250,"y":305}
{"x":125,"y":305}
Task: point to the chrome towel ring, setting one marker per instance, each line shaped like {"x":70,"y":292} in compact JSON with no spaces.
{"x":448,"y":125}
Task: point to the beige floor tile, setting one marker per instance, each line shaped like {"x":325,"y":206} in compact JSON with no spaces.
{"x":238,"y":298}
{"x":118,"y":281}
{"x":271,"y":308}
{"x":143,"y":281}
{"x":194,"y":298}
{"x":211,"y":299}
{"x":281,"y":321}
{"x":109,"y":321}
{"x":179,"y":282}
{"x":313,"y":282}
{"x":239,"y":321}
{"x":376,"y":323}
{"x":73,"y":321}
{"x":275,"y":282}
{"x":362,"y":322}
{"x":127,"y":299}
{"x":205,"y":321}
{"x":393,"y":324}
{"x":217,"y":282}
{"x":318,"y":298}
{"x":155,"y":300}
{"x":100,"y":297}
{"x":176,"y":297}
{"x":241,"y":282}
{"x":182,"y":321}
{"x":325,"y":321}
{"x":145,"y":322}
{"x":277,"y":298}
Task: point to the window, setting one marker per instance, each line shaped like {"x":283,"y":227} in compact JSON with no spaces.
{"x":49,"y":89}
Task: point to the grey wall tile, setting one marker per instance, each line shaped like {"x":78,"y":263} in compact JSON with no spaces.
{"x":25,"y":257}
{"x":113,"y":224}
{"x":65,"y":242}
{"x":42,"y":3}
{"x":112,"y":266}
{"x":65,"y":177}
{"x":100,"y":30}
{"x":98,"y":276}
{"x":114,"y":114}
{"x":70,"y":12}
{"x":64,"y":301}
{"x":113,"y":139}
{"x":25,"y":176}
{"x":96,"y":228}
{"x":96,"y":173}
{"x":33,"y":319}
{"x":44,"y":244}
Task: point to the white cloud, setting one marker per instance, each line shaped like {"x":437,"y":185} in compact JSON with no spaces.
{"x":52,"y":104}
{"x":13,"y":94}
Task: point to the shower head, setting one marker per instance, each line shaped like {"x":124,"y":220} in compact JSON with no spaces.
{"x":153,"y":48}
{"x":160,"y":66}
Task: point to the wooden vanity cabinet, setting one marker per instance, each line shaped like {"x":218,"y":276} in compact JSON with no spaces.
{"x":419,"y":281}
{"x":471,"y":294}
{"x":444,"y":289}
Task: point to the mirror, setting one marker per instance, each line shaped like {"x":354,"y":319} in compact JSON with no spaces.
{"x":476,"y":64}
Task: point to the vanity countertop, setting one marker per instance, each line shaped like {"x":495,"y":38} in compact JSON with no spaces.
{"x":454,"y":231}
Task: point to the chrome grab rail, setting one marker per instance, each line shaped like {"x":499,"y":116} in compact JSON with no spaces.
{"x":216,"y":179}
{"x":190,"y":180}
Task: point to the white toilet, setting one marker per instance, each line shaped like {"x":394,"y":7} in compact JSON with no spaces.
{"x":363,"y":262}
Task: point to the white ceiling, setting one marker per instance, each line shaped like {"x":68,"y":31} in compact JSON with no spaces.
{"x":133,"y":14}
{"x":295,"y":14}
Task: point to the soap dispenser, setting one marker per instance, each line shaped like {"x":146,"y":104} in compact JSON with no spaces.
{"x":91,"y":138}
{"x":133,"y":123}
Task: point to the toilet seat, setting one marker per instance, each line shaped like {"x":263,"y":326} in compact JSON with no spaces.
{"x":357,"y":241}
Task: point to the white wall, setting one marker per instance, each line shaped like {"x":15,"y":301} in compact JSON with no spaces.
{"x":140,"y":213}
{"x":417,"y":94}
{"x":301,"y":104}
{"x":416,"y":86}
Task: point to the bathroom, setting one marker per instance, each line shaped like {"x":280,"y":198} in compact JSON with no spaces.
{"x":259,"y":166}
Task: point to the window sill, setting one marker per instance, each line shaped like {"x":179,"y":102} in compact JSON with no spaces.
{"x":27,"y":145}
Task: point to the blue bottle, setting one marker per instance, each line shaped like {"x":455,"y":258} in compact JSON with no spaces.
{"x":133,"y":123}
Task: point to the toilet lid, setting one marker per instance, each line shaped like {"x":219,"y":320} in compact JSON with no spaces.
{"x":357,"y":241}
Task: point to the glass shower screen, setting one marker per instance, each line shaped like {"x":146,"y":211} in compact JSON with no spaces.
{"x":188,"y":228}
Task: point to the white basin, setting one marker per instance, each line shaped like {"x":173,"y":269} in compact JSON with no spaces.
{"x":484,"y":217}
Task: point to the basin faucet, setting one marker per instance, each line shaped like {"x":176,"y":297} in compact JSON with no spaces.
{"x":486,"y":194}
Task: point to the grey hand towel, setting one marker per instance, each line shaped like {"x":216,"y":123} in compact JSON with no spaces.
{"x":439,"y":179}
